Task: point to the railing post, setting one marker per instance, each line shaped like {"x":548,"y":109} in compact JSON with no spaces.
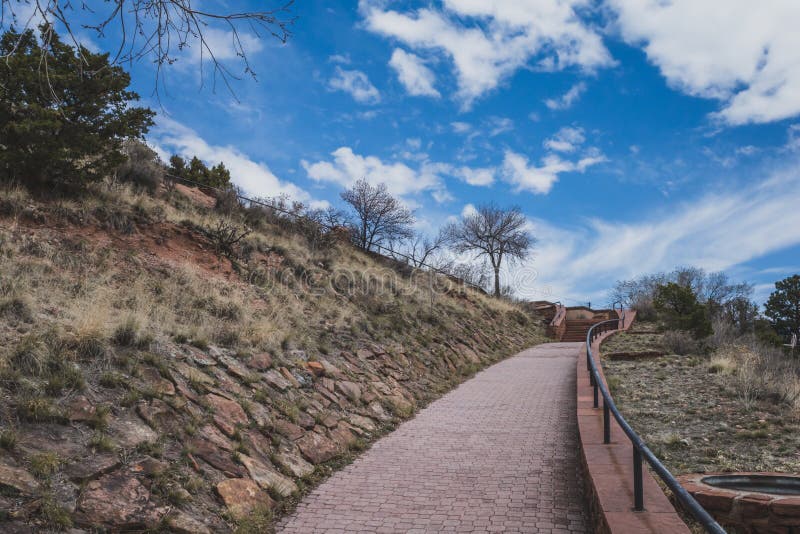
{"x":606,"y":423}
{"x":638,"y":489}
{"x":595,"y":393}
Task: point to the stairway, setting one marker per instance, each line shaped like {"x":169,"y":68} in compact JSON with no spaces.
{"x":576,"y":329}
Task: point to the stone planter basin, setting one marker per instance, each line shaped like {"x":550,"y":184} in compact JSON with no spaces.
{"x":756,"y":503}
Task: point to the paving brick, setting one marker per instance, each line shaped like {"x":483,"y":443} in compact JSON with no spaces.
{"x":499,"y":453}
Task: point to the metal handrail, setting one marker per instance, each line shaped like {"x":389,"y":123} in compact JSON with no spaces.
{"x":640,"y":449}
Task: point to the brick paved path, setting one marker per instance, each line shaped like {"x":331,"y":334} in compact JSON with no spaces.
{"x":497,"y":454}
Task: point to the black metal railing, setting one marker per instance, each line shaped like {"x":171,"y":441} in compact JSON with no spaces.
{"x":640,"y":449}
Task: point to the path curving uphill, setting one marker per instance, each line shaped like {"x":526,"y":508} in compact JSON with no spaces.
{"x":497,"y":454}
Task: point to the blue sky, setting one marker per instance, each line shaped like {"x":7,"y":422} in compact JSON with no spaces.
{"x":636,"y":135}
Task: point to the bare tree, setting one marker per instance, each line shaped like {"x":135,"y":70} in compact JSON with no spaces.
{"x":495,"y":233}
{"x":380,"y":216}
{"x":422,"y":248}
{"x":155,"y":29}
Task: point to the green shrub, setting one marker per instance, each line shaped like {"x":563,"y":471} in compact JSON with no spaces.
{"x":678,"y":309}
{"x":85,"y":114}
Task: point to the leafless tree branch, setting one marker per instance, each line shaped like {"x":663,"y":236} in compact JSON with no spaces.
{"x":158,"y":30}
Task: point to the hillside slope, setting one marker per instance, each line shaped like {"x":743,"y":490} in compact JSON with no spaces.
{"x":155,"y":376}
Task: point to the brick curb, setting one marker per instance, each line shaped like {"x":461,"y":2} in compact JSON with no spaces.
{"x":609,"y":469}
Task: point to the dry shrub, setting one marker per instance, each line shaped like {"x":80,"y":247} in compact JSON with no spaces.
{"x":722,"y":364}
{"x":142,"y":168}
{"x":680,"y":342}
{"x":227,"y":201}
{"x":17,"y":308}
{"x":725,"y":333}
{"x":759,"y":372}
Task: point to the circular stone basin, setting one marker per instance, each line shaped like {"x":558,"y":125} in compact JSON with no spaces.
{"x":753,"y":502}
{"x":771,"y":484}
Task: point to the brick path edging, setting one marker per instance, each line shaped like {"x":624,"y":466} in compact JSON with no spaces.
{"x":609,"y":468}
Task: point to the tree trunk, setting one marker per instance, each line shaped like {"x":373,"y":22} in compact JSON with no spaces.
{"x":497,"y":281}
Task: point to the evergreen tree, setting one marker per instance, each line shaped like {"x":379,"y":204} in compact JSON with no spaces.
{"x":177,"y":166}
{"x":197,"y":172}
{"x":783,"y":306}
{"x":64,"y":113}
{"x":219,"y":176}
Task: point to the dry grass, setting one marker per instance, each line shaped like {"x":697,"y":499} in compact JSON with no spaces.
{"x":733,"y":410}
{"x":101,"y":291}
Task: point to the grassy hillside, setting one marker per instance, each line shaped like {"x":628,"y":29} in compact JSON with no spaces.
{"x":155,"y":375}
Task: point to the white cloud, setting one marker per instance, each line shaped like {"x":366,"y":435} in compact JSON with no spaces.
{"x":342,"y":59}
{"x":356,"y":83}
{"x":347,"y":167}
{"x":461,"y":127}
{"x":716,"y":231}
{"x":478,"y":177}
{"x":254,"y":177}
{"x":566,"y":100}
{"x":414,"y":142}
{"x":489,"y":41}
{"x":413,"y":74}
{"x":468,"y":209}
{"x":499,"y":125}
{"x":745,"y":55}
{"x":539,"y":180}
{"x":567,"y":139}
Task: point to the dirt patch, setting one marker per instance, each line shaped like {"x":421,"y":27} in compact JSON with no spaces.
{"x":157,"y":245}
{"x":196,"y":196}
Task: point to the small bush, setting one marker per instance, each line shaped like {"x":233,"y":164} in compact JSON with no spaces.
{"x":44,"y":464}
{"x":679,"y":342}
{"x":724,"y":365}
{"x":142,"y":168}
{"x":16,"y":308}
{"x":90,"y":345}
{"x":30,"y":356}
{"x":227,"y":201}
{"x":36,"y":409}
{"x":112,"y":379}
{"x":228,"y":336}
{"x":762,"y":373}
{"x":101,"y":442}
{"x":67,"y":376}
{"x":225,"y":236}
{"x":8,"y":439}
{"x":127,"y":332}
{"x":54,"y":515}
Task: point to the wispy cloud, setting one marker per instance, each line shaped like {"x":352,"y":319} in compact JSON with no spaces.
{"x":566,"y":100}
{"x":413,"y":74}
{"x":567,"y":139}
{"x":356,"y":83}
{"x":715,"y":231}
